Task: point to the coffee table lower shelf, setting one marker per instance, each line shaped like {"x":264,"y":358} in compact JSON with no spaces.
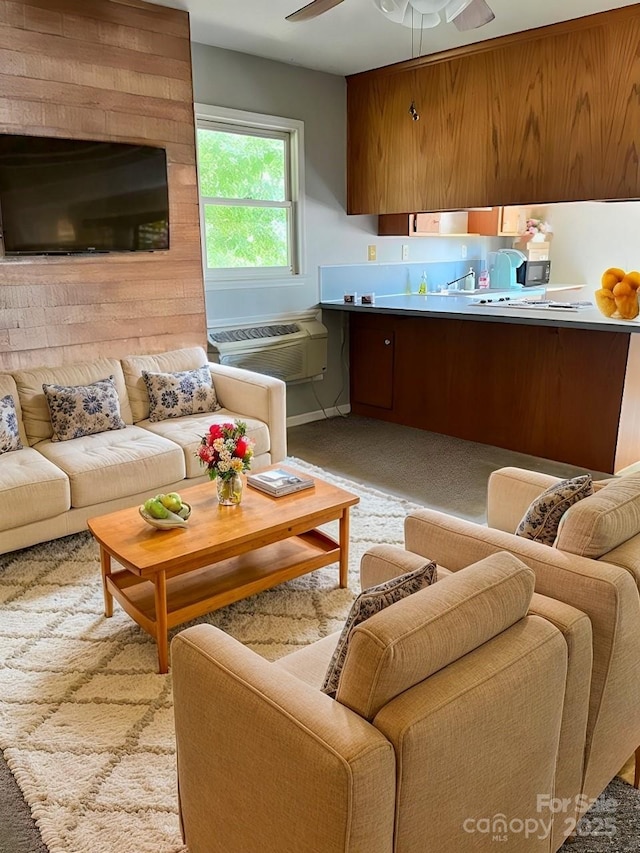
{"x":165,"y":599}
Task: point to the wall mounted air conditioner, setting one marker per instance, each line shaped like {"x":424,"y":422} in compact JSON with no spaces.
{"x":291,"y":351}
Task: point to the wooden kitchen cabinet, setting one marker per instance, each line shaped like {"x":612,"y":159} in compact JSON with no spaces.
{"x":445,"y":224}
{"x":466,"y":378}
{"x":508,"y":221}
{"x":371,"y":357}
{"x":534,"y":117}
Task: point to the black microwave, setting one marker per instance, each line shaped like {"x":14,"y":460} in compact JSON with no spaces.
{"x":533,"y":273}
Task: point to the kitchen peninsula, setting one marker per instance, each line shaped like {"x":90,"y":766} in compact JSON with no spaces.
{"x":563,"y":385}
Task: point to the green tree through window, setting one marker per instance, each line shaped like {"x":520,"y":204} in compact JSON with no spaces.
{"x":246,"y":198}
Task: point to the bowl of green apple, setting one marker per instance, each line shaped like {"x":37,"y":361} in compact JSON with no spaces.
{"x":165,"y":512}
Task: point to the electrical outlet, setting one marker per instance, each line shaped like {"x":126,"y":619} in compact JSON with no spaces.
{"x":371,"y":253}
{"x":405,"y":251}
{"x":463,"y":250}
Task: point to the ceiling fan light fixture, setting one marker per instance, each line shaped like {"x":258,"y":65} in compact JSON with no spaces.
{"x":394,"y":10}
{"x":428,"y":7}
{"x":428,"y":21}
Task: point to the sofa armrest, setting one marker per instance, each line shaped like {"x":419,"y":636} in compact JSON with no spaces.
{"x":509,"y":493}
{"x":384,"y":562}
{"x":576,"y":630}
{"x":255,"y":396}
{"x":606,"y":593}
{"x":267,"y":762}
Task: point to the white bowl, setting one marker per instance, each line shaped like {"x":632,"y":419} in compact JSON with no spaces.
{"x":170,"y":523}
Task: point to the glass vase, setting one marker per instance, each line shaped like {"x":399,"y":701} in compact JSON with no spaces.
{"x":229,"y":490}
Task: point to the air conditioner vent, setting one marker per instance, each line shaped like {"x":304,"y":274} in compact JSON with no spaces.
{"x":227,"y":336}
{"x":281,"y":362}
{"x":290,"y":351}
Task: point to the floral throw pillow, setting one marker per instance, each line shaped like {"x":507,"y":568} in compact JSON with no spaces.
{"x":78,"y":410}
{"x":542,"y":519}
{"x":9,"y":433}
{"x":369,"y":602}
{"x":173,"y":395}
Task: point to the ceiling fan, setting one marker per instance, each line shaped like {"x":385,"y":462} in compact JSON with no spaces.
{"x":465,"y":14}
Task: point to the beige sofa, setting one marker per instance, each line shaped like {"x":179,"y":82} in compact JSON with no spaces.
{"x":50,"y":488}
{"x":455,"y":706}
{"x":605,"y":589}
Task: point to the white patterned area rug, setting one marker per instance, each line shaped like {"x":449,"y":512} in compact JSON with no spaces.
{"x":86,"y":722}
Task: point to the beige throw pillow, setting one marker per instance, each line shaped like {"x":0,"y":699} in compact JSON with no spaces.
{"x":174,"y":395}
{"x":542,"y":519}
{"x":369,"y":602}
{"x":9,"y":433}
{"x":78,"y":410}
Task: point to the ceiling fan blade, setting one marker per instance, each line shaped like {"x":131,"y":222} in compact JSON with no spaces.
{"x":476,"y":14}
{"x":312,"y":10}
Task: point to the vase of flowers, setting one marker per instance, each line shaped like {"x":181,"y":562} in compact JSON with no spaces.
{"x":227,"y":452}
{"x":537,"y":230}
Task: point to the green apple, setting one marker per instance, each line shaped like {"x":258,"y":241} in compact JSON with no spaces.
{"x":172,"y":501}
{"x":156,"y":509}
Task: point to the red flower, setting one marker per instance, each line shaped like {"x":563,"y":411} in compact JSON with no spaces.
{"x":215,"y":431}
{"x":242,"y":445}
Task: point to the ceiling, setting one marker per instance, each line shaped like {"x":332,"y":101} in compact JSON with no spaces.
{"x":355,"y":36}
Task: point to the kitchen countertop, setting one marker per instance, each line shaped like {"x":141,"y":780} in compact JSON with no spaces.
{"x":460,"y":307}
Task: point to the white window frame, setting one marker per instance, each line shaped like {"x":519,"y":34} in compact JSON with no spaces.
{"x":216,"y":118}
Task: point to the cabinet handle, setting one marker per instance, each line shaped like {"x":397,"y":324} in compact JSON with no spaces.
{"x":387,"y":342}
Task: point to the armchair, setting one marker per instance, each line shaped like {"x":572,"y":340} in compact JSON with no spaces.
{"x":604,"y":588}
{"x":454,"y":685}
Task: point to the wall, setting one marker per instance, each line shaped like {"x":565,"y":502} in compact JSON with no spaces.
{"x":589,"y":237}
{"x":109,"y":70}
{"x":234,"y":80}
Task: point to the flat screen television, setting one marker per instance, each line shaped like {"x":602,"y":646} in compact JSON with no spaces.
{"x":72,"y":196}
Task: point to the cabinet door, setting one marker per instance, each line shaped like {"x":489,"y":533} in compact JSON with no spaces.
{"x":484,"y":221}
{"x":396,"y":224}
{"x":427,"y":223}
{"x":513,"y":221}
{"x":371,"y":355}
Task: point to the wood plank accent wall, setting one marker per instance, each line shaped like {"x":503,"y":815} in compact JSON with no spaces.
{"x":115,"y":70}
{"x":547,"y":115}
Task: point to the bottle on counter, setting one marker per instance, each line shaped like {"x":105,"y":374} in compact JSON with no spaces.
{"x":483,"y":280}
{"x":470,"y":281}
{"x":423,"y":283}
{"x":407,"y":287}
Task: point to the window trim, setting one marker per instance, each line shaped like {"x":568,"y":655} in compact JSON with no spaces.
{"x":215,"y":278}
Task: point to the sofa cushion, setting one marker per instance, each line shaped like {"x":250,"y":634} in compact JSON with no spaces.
{"x":542,"y":518}
{"x":78,"y":410}
{"x":35,"y":412}
{"x":8,"y":386}
{"x":174,"y":395}
{"x":115,"y":464}
{"x":188,"y":431}
{"x":369,"y":602}
{"x":406,"y":643}
{"x":31,"y":489}
{"x":602,"y":522}
{"x":166,"y":362}
{"x":9,"y":432}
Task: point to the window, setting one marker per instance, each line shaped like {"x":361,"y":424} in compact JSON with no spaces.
{"x":249,"y":181}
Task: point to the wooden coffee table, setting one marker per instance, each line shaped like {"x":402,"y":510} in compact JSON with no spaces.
{"x":226,"y":553}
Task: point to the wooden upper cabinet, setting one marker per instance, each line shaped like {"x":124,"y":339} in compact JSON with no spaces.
{"x":448,"y":223}
{"x":499,"y":221}
{"x":540,"y":116}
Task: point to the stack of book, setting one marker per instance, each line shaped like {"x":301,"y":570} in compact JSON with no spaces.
{"x":279,"y":482}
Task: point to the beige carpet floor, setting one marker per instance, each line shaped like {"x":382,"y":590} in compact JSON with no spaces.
{"x":86,"y":722}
